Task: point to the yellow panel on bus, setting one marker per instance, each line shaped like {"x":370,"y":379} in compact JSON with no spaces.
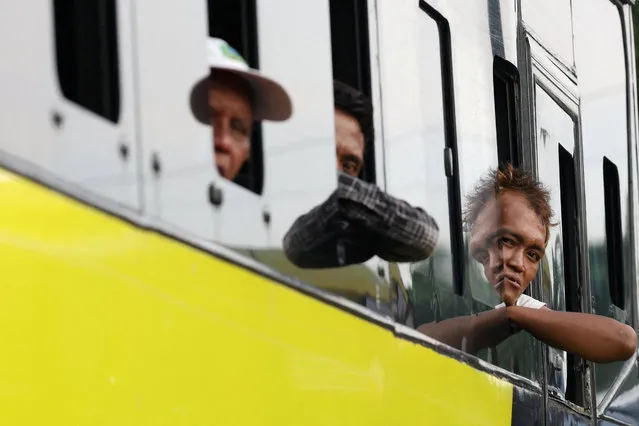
{"x":104,"y":323}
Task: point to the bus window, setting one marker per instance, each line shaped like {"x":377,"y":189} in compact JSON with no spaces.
{"x":614,"y":233}
{"x":506,"y":91}
{"x":572,"y":294}
{"x":601,"y":71}
{"x":351,"y":60}
{"x":236,"y":23}
{"x":86,"y":44}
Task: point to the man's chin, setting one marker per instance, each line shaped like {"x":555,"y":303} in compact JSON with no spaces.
{"x":222,"y":171}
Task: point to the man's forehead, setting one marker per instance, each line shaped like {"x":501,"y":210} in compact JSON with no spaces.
{"x":231,"y":101}
{"x":347,"y":126}
{"x":347,"y":121}
{"x":230,"y":82}
{"x":510,"y":212}
{"x":486,"y":223}
{"x":490,"y":214}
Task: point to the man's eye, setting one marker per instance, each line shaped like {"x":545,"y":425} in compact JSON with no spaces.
{"x":350,"y":167}
{"x":240,"y":127}
{"x":534,"y":256}
{"x":505,"y":241}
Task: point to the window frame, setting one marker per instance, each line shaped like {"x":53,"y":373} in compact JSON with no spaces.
{"x":451,"y":153}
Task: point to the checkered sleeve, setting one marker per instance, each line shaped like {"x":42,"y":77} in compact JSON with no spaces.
{"x":323,"y":238}
{"x":357,"y":222}
{"x":398,"y":231}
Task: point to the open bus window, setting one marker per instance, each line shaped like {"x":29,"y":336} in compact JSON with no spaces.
{"x":351,"y":64}
{"x":506,"y":95}
{"x":235,"y":22}
{"x":86,"y":42}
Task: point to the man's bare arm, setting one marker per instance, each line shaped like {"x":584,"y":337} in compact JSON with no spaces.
{"x":471,"y":333}
{"x":592,"y":337}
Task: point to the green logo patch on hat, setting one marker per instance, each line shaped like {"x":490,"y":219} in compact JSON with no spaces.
{"x":231,"y":53}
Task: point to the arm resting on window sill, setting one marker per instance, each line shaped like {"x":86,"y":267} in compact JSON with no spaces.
{"x":592,"y":337}
{"x":471,"y":333}
{"x":359,"y":221}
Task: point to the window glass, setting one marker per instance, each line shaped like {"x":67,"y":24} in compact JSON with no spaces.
{"x":415,"y":171}
{"x":87,"y":55}
{"x":428,"y":183}
{"x":555,"y":134}
{"x":602,"y":84}
{"x":550,"y":20}
{"x":625,"y":406}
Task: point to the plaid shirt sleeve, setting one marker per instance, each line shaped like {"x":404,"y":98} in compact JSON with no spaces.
{"x":357,"y":222}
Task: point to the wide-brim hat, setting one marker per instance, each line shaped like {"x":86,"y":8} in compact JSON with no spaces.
{"x":270,"y":99}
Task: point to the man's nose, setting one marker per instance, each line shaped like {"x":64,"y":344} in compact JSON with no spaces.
{"x":514,"y":258}
{"x":221,"y":135}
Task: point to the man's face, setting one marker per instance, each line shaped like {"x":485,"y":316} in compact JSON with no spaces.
{"x":349,"y":144}
{"x":508,"y":239}
{"x":232,"y":120}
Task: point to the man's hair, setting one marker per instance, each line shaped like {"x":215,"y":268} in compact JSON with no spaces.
{"x":507,"y":178}
{"x":354,"y":103}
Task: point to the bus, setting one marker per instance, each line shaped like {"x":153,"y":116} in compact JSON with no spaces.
{"x":140,"y":288}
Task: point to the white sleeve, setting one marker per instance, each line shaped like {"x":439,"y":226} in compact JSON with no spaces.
{"x":526,"y":302}
{"x":529,"y":302}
